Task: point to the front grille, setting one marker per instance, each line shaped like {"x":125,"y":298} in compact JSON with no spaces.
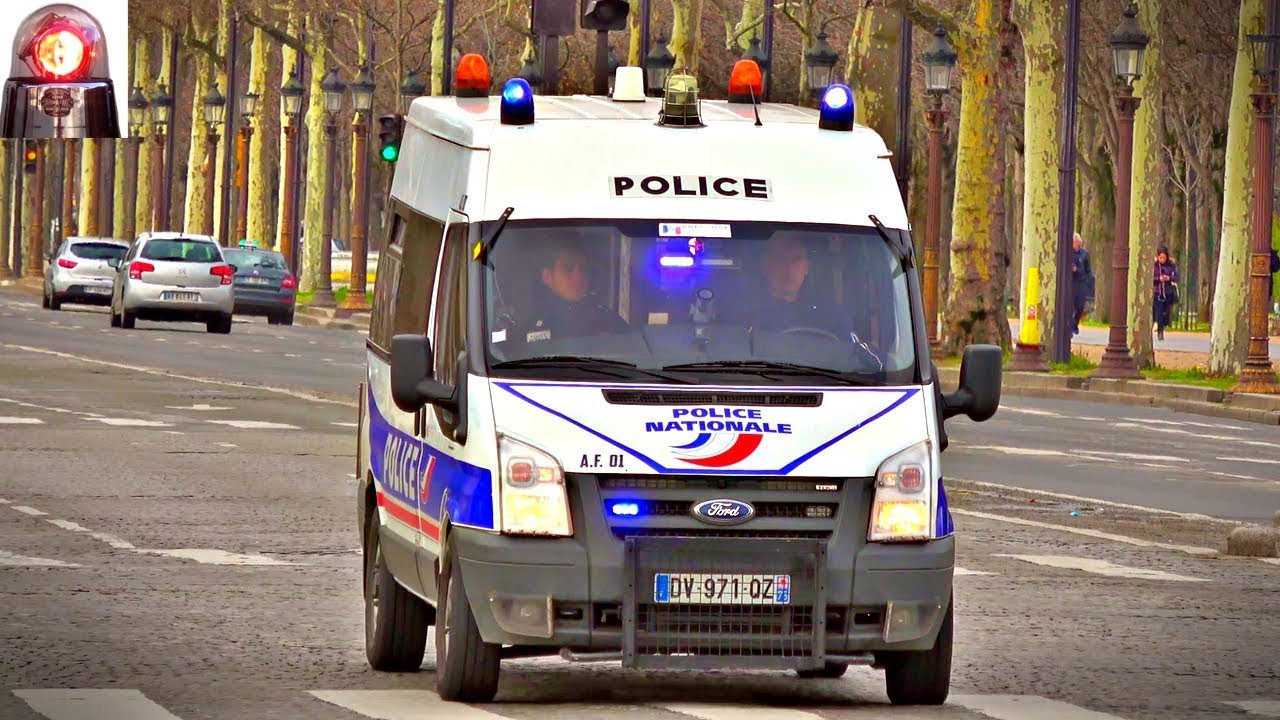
{"x":668,"y":397}
{"x":711,"y":482}
{"x":685,"y":629}
{"x":622,"y":533}
{"x":681,"y":508}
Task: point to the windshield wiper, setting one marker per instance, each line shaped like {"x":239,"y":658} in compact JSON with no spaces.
{"x":590,"y":363}
{"x":482,"y":252}
{"x":764,"y":367}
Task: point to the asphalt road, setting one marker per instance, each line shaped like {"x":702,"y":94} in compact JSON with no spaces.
{"x":177,"y":540}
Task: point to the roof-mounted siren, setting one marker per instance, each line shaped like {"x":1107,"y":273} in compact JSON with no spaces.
{"x":59,"y":82}
{"x":746,"y":82}
{"x":472,"y":78}
{"x":517,"y":103}
{"x":837,"y":111}
{"x":680,"y":101}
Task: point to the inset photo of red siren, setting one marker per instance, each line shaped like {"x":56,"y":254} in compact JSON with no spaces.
{"x":61,"y":68}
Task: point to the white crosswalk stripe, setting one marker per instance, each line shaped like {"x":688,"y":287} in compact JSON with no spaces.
{"x":737,"y":712}
{"x":94,"y":705}
{"x":8,"y":559}
{"x":1263,"y":708}
{"x":1025,"y":707}
{"x":9,"y":420}
{"x":401,"y":705}
{"x":1102,"y":567}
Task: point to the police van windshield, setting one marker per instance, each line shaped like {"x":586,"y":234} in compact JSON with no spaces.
{"x":733,"y":303}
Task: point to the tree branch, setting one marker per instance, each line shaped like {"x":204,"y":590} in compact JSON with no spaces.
{"x":274,"y":32}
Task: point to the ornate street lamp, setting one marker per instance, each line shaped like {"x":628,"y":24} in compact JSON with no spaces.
{"x":161,"y":110}
{"x":657,"y":65}
{"x":412,"y":88}
{"x":248,"y":108}
{"x":939,"y":60}
{"x":215,"y":113}
{"x":138,"y":107}
{"x":291,"y":108}
{"x":362,"y":99}
{"x":820,"y":64}
{"x":1128,"y":45}
{"x":334,"y":90}
{"x":1258,"y":376}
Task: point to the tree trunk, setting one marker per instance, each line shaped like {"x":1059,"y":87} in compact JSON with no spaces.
{"x":683,"y":35}
{"x":974,"y":311}
{"x":289,"y":64}
{"x":225,"y":145}
{"x":438,"y":60}
{"x":90,"y":187}
{"x":1149,"y":201}
{"x":873,"y":60}
{"x":747,"y":27}
{"x":256,"y":224}
{"x":145,"y":192}
{"x":6,"y":208}
{"x":1228,"y":343}
{"x":121,"y":188}
{"x":1043,"y":32}
{"x":318,"y":175}
{"x":197,"y":214}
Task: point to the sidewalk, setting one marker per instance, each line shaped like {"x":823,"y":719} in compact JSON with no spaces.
{"x":309,"y":316}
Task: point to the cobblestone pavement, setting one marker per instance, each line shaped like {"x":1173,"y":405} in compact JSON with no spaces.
{"x":171,"y":548}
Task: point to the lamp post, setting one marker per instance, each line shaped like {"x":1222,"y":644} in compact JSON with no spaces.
{"x":215,"y":112}
{"x":939,"y":60}
{"x":820,"y":64}
{"x":333,"y":89}
{"x":657,"y":66}
{"x":412,"y":88}
{"x":1258,"y":376}
{"x":138,"y":106}
{"x":756,"y":53}
{"x":362,"y":99}
{"x":248,"y":106}
{"x":290,"y":108}
{"x":1128,"y":44}
{"x":161,"y":105}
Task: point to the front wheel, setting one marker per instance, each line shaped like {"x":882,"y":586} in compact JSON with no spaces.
{"x":395,"y":620}
{"x":921,"y":677}
{"x":127,"y":319}
{"x":466,"y":666}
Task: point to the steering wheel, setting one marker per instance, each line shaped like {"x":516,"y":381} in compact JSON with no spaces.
{"x":810,"y":330}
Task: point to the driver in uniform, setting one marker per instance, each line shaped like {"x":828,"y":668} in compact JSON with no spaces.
{"x":784,"y":269}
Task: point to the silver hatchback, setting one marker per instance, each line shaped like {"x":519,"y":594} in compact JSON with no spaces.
{"x":80,"y":271}
{"x":174,"y":276}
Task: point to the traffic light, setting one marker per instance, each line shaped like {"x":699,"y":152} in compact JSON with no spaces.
{"x":29,"y":156}
{"x":390,"y":135}
{"x":604,"y":14}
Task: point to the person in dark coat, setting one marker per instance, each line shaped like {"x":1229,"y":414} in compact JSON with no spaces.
{"x":1082,"y":281}
{"x":562,"y":304}
{"x":1164,"y":290}
{"x":1271,"y":286}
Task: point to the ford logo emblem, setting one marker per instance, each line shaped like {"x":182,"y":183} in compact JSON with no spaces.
{"x":723,"y":511}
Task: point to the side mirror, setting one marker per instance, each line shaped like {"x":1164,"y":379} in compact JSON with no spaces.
{"x":979,"y":393}
{"x":412,"y":386}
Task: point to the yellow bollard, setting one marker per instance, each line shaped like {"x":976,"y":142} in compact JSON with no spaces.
{"x":1027,"y":353}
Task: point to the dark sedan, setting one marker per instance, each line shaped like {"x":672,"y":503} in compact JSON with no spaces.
{"x":263,"y":285}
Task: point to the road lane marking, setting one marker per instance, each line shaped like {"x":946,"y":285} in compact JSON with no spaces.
{"x":1031,"y":411}
{"x":1101,"y":567}
{"x":1133,"y":456}
{"x":717,"y":711}
{"x":254,"y":425}
{"x":1218,"y":426}
{"x":26,"y":510}
{"x":403,"y":705}
{"x":228,"y":445}
{"x":1263,"y":461}
{"x":1025,"y":707}
{"x":216,"y":557}
{"x":1201,"y":436}
{"x":94,"y":705}
{"x":8,"y":559}
{"x":1031,"y":452}
{"x":10,"y":420}
{"x":63,"y":411}
{"x":1237,"y":477}
{"x":1265,"y":708}
{"x":345,"y":424}
{"x":1188,"y":549}
{"x":131,"y":422}
{"x":959,"y":571}
{"x":107,"y":538}
{"x":199,"y":407}
{"x":177,"y":376}
{"x":1090,"y":500}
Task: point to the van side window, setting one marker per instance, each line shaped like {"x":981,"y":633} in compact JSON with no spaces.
{"x":417,"y":274}
{"x":451,"y":306}
{"x":386,"y":288}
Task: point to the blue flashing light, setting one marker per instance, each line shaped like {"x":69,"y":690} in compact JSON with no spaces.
{"x":517,"y":102}
{"x":837,"y":109}
{"x":628,"y":509}
{"x":670,"y":261}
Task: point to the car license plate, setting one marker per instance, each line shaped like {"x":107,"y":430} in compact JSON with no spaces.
{"x":187,"y":296}
{"x":93,"y":290}
{"x":722,"y":588}
{"x":257,"y":281}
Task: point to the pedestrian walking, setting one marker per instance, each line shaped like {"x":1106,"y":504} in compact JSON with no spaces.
{"x":1082,"y":282}
{"x":1271,"y":286}
{"x":1165,"y":290}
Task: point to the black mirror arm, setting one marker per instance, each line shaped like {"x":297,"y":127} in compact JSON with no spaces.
{"x":956,"y":403}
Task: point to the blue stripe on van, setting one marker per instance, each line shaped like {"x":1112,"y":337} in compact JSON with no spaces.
{"x":943,"y":527}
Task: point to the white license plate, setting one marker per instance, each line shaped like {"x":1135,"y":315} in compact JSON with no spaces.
{"x":184,"y":296}
{"x":92,"y":290}
{"x":257,"y":281}
{"x":722,"y":588}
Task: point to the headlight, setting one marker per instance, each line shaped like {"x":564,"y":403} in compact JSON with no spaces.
{"x":533,"y":495}
{"x":904,"y":491}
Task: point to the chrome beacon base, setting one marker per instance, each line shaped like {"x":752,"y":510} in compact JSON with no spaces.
{"x":62,"y":110}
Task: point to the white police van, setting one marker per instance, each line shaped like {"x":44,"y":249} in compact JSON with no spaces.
{"x":648,"y":382}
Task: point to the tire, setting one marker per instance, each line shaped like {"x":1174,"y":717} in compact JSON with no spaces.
{"x":921,"y":677}
{"x":115,"y":319}
{"x":127,"y":319}
{"x":287,"y":319}
{"x":273,"y":319}
{"x":220,"y":325}
{"x":54,"y":303}
{"x":829,"y":671}
{"x":395,"y":621}
{"x":466,"y":666}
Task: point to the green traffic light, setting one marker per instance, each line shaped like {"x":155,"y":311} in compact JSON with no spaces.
{"x":390,"y":153}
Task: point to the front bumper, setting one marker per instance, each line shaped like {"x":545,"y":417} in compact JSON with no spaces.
{"x":147,"y":298}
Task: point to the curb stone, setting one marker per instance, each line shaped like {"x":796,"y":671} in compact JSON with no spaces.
{"x":1254,"y":541}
